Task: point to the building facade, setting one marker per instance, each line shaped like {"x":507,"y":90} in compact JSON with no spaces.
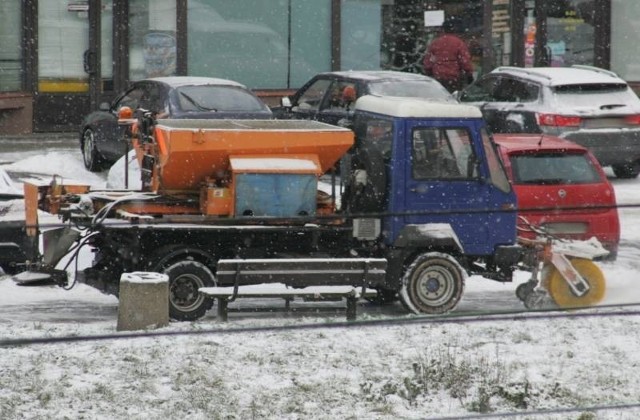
{"x":59,"y":59}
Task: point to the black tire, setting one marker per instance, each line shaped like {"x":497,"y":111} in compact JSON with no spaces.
{"x":627,"y":170}
{"x":523,"y":290}
{"x":89,"y":152}
{"x":432,"y":284}
{"x":185,"y":278}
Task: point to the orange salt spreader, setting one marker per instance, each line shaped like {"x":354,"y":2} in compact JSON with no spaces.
{"x":241,"y":167}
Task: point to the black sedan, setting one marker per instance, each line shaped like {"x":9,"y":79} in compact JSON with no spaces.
{"x":329,"y":97}
{"x":103,"y":142}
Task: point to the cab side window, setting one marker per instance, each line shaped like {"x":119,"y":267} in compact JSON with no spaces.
{"x":131,"y":99}
{"x":497,"y":173}
{"x":482,"y":91}
{"x":155,"y":98}
{"x":313,"y":95}
{"x":342,"y":96}
{"x":442,"y":153}
{"x":512,"y":90}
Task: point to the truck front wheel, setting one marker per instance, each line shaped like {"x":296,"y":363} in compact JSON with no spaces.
{"x":185,"y":278}
{"x":432,"y":284}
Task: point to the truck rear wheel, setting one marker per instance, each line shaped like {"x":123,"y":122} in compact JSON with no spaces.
{"x":432,"y":284}
{"x":185,"y":278}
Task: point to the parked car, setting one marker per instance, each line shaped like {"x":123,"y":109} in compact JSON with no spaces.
{"x":567,"y":182}
{"x":587,"y":105}
{"x":102,"y":141}
{"x":329,"y":97}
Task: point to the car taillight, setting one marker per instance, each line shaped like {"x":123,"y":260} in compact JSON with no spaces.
{"x":556,"y":120}
{"x":632,"y":119}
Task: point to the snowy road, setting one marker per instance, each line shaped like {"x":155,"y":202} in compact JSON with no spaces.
{"x":83,"y":303}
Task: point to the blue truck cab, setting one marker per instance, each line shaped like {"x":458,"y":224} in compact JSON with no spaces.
{"x":429,"y":177}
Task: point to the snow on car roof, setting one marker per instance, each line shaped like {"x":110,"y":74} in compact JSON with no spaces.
{"x":524,"y":142}
{"x":557,"y":76}
{"x":177,"y":81}
{"x":415,"y":107}
{"x":374,"y":75}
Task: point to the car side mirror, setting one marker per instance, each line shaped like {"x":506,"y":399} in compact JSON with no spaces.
{"x":104,"y":106}
{"x":286,"y":102}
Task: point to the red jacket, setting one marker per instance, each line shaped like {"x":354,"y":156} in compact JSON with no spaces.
{"x":448,"y":58}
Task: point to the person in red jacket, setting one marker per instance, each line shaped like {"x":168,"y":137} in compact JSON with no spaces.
{"x":448,"y":59}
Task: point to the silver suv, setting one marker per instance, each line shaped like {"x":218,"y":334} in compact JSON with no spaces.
{"x":587,"y":105}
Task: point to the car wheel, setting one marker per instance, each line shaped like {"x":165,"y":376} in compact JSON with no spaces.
{"x":89,"y":152}
{"x":627,"y":170}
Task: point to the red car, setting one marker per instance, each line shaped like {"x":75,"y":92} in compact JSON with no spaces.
{"x":566,"y":182}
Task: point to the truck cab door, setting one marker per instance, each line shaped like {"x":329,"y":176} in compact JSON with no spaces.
{"x":448,"y":180}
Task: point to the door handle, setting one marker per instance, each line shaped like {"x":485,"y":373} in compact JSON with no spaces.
{"x":88,"y":61}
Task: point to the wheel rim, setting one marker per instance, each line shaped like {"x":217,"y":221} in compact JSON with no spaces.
{"x":435,"y":286}
{"x":561,"y":293}
{"x":87,"y":148}
{"x":184,"y":293}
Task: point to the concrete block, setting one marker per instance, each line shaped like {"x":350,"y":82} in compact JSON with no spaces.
{"x":144,"y":301}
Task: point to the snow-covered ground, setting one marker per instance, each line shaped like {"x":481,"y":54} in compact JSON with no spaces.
{"x":385,"y":366}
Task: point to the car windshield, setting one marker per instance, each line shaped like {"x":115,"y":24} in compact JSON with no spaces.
{"x":411,"y":88}
{"x":217,"y":98}
{"x":603,"y":96}
{"x":553,"y":168}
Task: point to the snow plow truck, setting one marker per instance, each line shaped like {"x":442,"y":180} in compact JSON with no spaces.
{"x":419,"y":202}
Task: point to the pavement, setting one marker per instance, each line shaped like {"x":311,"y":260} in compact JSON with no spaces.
{"x":37,"y":141}
{"x":48,"y":136}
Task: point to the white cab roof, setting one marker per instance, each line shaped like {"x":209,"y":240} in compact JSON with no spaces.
{"x":415,"y":107}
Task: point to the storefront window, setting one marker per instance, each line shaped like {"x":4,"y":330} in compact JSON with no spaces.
{"x":625,"y":48}
{"x":152,"y":38}
{"x":361,"y":33}
{"x":63,"y":44}
{"x":267,"y":44}
{"x":63,"y":38}
{"x":570,"y":33}
{"x":465,"y":18}
{"x":106,"y":41}
{"x":310,"y":40}
{"x":10,"y":46}
{"x":501,"y":32}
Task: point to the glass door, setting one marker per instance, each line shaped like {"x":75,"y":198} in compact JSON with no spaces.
{"x":74,"y":61}
{"x":566,"y":31}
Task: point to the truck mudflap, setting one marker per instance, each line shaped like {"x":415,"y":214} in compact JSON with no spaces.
{"x":508,"y":255}
{"x":502,"y":263}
